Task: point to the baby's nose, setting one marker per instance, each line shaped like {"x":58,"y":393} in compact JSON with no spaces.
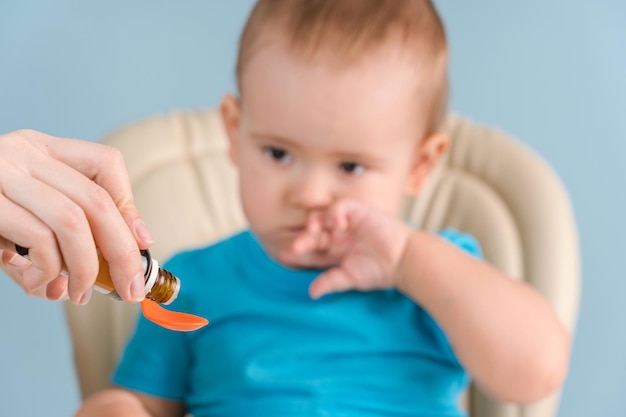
{"x":312,"y":191}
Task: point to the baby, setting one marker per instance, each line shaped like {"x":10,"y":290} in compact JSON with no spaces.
{"x":330,"y":304}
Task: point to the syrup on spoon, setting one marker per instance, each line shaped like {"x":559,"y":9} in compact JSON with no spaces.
{"x":172,"y":320}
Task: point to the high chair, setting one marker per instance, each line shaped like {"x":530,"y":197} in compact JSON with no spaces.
{"x":487,"y":184}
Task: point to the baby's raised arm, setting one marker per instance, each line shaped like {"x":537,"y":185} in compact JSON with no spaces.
{"x":62,"y":199}
{"x":504,"y":332}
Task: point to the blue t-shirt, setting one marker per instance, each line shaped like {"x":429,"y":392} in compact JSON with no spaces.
{"x":270,"y":350}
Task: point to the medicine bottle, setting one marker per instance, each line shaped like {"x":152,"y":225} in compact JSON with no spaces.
{"x":161,"y":285}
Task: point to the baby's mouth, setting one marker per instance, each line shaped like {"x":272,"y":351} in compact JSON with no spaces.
{"x":296,"y":229}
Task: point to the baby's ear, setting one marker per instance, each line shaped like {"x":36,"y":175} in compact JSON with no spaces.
{"x":427,"y":154}
{"x":230,"y":110}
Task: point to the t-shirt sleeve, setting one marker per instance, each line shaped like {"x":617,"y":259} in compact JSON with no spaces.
{"x":462,"y":241}
{"x":156,"y":361}
{"x":470,"y":245}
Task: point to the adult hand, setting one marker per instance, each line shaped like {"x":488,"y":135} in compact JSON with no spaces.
{"x":62,"y":199}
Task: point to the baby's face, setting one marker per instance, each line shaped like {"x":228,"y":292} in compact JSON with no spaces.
{"x":310,"y":134}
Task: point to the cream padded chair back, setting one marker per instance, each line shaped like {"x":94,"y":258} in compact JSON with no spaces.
{"x":487,"y":185}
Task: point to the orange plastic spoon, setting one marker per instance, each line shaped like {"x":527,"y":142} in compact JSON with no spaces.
{"x":172,"y":320}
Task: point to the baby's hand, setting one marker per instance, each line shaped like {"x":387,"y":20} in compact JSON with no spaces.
{"x":362,"y":246}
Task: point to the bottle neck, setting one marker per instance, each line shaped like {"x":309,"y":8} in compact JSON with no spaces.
{"x":161,"y":285}
{"x":151,"y":270}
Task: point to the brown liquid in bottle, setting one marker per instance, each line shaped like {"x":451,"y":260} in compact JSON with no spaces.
{"x":161,"y":285}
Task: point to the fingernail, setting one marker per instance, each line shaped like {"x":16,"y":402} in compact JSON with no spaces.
{"x":18,"y":261}
{"x":142,"y":231}
{"x":64,"y":296}
{"x":137,"y":288}
{"x":86,"y":297}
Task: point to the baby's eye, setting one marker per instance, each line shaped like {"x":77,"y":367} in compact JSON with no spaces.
{"x":277,"y":154}
{"x":352,"y":168}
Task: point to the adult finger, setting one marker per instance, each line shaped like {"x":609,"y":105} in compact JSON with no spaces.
{"x":105,"y":166}
{"x":56,"y":290}
{"x":19,"y":225}
{"x":14,"y":265}
{"x":94,"y":178}
{"x":15,"y":270}
{"x":53,"y":232}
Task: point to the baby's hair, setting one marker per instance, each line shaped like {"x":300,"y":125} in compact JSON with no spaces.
{"x":349,"y":29}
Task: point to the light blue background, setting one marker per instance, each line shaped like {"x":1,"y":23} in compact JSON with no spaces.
{"x":551,"y":73}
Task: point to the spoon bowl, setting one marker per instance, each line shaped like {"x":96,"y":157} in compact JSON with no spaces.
{"x":172,"y":320}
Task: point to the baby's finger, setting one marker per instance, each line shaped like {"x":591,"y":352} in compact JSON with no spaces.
{"x":309,"y":242}
{"x":338,"y":217}
{"x":314,"y":223}
{"x":333,"y":280}
{"x":303,"y":243}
